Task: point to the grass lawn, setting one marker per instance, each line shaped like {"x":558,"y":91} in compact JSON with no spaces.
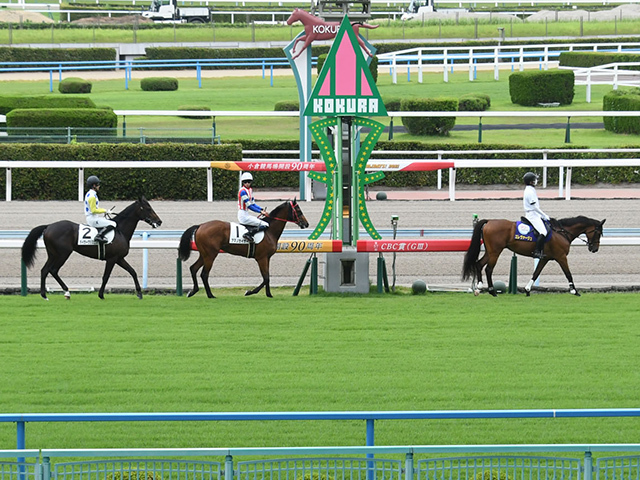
{"x":255,"y":93}
{"x":320,"y":353}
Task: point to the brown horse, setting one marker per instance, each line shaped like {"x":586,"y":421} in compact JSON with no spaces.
{"x":61,"y":240}
{"x":500,"y":234}
{"x":213,"y":237}
{"x":315,"y":28}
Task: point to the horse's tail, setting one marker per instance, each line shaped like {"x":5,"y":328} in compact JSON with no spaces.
{"x":184,"y":250}
{"x":30,"y":245}
{"x":471,"y":257}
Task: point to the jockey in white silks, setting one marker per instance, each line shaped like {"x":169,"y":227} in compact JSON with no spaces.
{"x":533,"y":213}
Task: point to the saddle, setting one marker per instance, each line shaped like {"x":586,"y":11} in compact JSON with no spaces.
{"x":526,"y":232}
{"x":87,"y":235}
{"x":237,"y":231}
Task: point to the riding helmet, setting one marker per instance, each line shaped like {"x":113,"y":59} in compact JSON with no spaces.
{"x":92,"y":180}
{"x":530,"y":178}
{"x":246,"y":177}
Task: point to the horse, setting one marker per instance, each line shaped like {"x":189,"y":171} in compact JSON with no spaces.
{"x":500,"y":234}
{"x":213,"y":237}
{"x":61,"y":239}
{"x":315,"y":28}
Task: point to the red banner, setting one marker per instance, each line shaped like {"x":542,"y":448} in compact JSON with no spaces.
{"x":408,"y":246}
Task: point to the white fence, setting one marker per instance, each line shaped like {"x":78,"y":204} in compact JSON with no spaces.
{"x":610,"y":74}
{"x":496,"y":57}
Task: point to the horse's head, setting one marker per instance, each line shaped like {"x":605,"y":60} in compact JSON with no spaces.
{"x":295,"y":16}
{"x":593,"y":236}
{"x":146,"y":213}
{"x":296,"y":215}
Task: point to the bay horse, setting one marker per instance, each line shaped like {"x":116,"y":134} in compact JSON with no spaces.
{"x":315,"y":28}
{"x":61,"y":240}
{"x":500,"y":234}
{"x":213,"y":237}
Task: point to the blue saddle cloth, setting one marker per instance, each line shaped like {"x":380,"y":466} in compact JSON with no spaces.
{"x":526,"y":233}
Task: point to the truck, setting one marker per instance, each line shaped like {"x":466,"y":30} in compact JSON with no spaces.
{"x":167,"y":11}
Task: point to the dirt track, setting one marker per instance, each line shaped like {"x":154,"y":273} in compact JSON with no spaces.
{"x":611,"y":267}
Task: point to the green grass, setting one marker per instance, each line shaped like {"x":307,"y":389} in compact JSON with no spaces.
{"x":327,"y":352}
{"x":255,"y":93}
{"x":429,"y":30}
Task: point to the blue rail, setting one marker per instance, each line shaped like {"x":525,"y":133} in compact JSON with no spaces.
{"x":20,"y":419}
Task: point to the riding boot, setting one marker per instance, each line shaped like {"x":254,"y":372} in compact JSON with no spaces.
{"x":539,"y":250}
{"x":251,"y":231}
{"x":101,"y":237}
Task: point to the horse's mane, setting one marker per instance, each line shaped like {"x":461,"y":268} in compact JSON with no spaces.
{"x":276,"y":212}
{"x":126,"y":213}
{"x":580,"y":219}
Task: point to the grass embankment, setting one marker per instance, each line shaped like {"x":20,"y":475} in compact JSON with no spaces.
{"x":255,"y":93}
{"x":391,"y":352}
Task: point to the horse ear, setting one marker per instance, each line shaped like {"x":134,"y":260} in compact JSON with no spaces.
{"x":602,"y":222}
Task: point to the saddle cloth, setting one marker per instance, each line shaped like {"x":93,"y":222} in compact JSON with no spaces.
{"x":236,"y":232}
{"x":87,"y":235}
{"x":526,"y":233}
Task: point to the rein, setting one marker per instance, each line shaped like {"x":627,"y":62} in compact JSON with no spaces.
{"x":568,"y":234}
{"x":296,"y":219}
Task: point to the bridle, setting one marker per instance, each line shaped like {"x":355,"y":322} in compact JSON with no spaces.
{"x":586,"y":233}
{"x":294,"y":212}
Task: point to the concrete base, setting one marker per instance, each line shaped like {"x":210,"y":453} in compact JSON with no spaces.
{"x":346,"y":272}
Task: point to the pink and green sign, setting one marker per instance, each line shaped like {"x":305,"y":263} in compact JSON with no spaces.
{"x":345,"y":86}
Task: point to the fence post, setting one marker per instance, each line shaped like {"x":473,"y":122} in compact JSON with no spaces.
{"x":313,"y":281}
{"x":228,"y":468}
{"x":588,"y":466}
{"x":370,"y":443}
{"x":567,"y":135}
{"x":23,"y":291}
{"x":408,"y":466}
{"x":479,"y":129}
{"x":513,"y":275}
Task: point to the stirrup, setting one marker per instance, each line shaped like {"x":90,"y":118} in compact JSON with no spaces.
{"x":101,"y":239}
{"x":537,"y":254}
{"x":248,"y":237}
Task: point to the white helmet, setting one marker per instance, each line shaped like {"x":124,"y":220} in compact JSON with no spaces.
{"x":246,"y":177}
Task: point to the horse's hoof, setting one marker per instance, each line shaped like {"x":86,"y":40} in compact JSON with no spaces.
{"x":492,"y":291}
{"x":139,"y":295}
{"x":574,"y":292}
{"x":248,"y":292}
{"x":45,"y":298}
{"x":191,"y":294}
{"x":67,"y":295}
{"x":101,"y":296}
{"x":269,"y":295}
{"x":528,"y":292}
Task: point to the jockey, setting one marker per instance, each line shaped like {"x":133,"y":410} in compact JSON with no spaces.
{"x":93,"y":212}
{"x":246,"y":202}
{"x":533,"y":212}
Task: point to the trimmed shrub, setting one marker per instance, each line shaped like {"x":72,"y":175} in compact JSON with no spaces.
{"x":8,"y":103}
{"x":593,"y":59}
{"x":74,"y":85}
{"x":287,"y":106}
{"x":534,"y":87}
{"x":622,"y":100}
{"x":392,"y":104}
{"x":19,"y":54}
{"x":429,"y":125}
{"x":84,"y":121}
{"x":159,"y":84}
{"x":195,"y":108}
{"x":474,"y":102}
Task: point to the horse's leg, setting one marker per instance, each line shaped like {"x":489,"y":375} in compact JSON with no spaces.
{"x":263,"y":263}
{"x":300,"y":39}
{"x":564,"y":265}
{"x":194,"y":272}
{"x":491,"y":263}
{"x":125,"y":265}
{"x":46,"y":268}
{"x":207,"y":264}
{"x":536,"y":273}
{"x":480,"y":264}
{"x":108,"y":268}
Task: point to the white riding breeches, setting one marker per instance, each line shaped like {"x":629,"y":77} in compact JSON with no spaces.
{"x":98,"y":221}
{"x":244,"y":218}
{"x":537,"y":222}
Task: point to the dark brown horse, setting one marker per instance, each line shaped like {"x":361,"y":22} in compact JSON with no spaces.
{"x":500,"y":234}
{"x":213,"y":237}
{"x":61,"y":240}
{"x":315,"y":28}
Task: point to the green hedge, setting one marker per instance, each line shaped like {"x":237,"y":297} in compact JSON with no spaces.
{"x":539,"y":86}
{"x":194,"y":108}
{"x":8,"y":103}
{"x":593,"y":59}
{"x":287,"y":106}
{"x":429,"y":125}
{"x":622,"y":100}
{"x":74,"y":85}
{"x":19,"y":54}
{"x":159,"y":84}
{"x":84,"y":121}
{"x":191,"y":183}
{"x":474,"y":102}
{"x":122,"y":183}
